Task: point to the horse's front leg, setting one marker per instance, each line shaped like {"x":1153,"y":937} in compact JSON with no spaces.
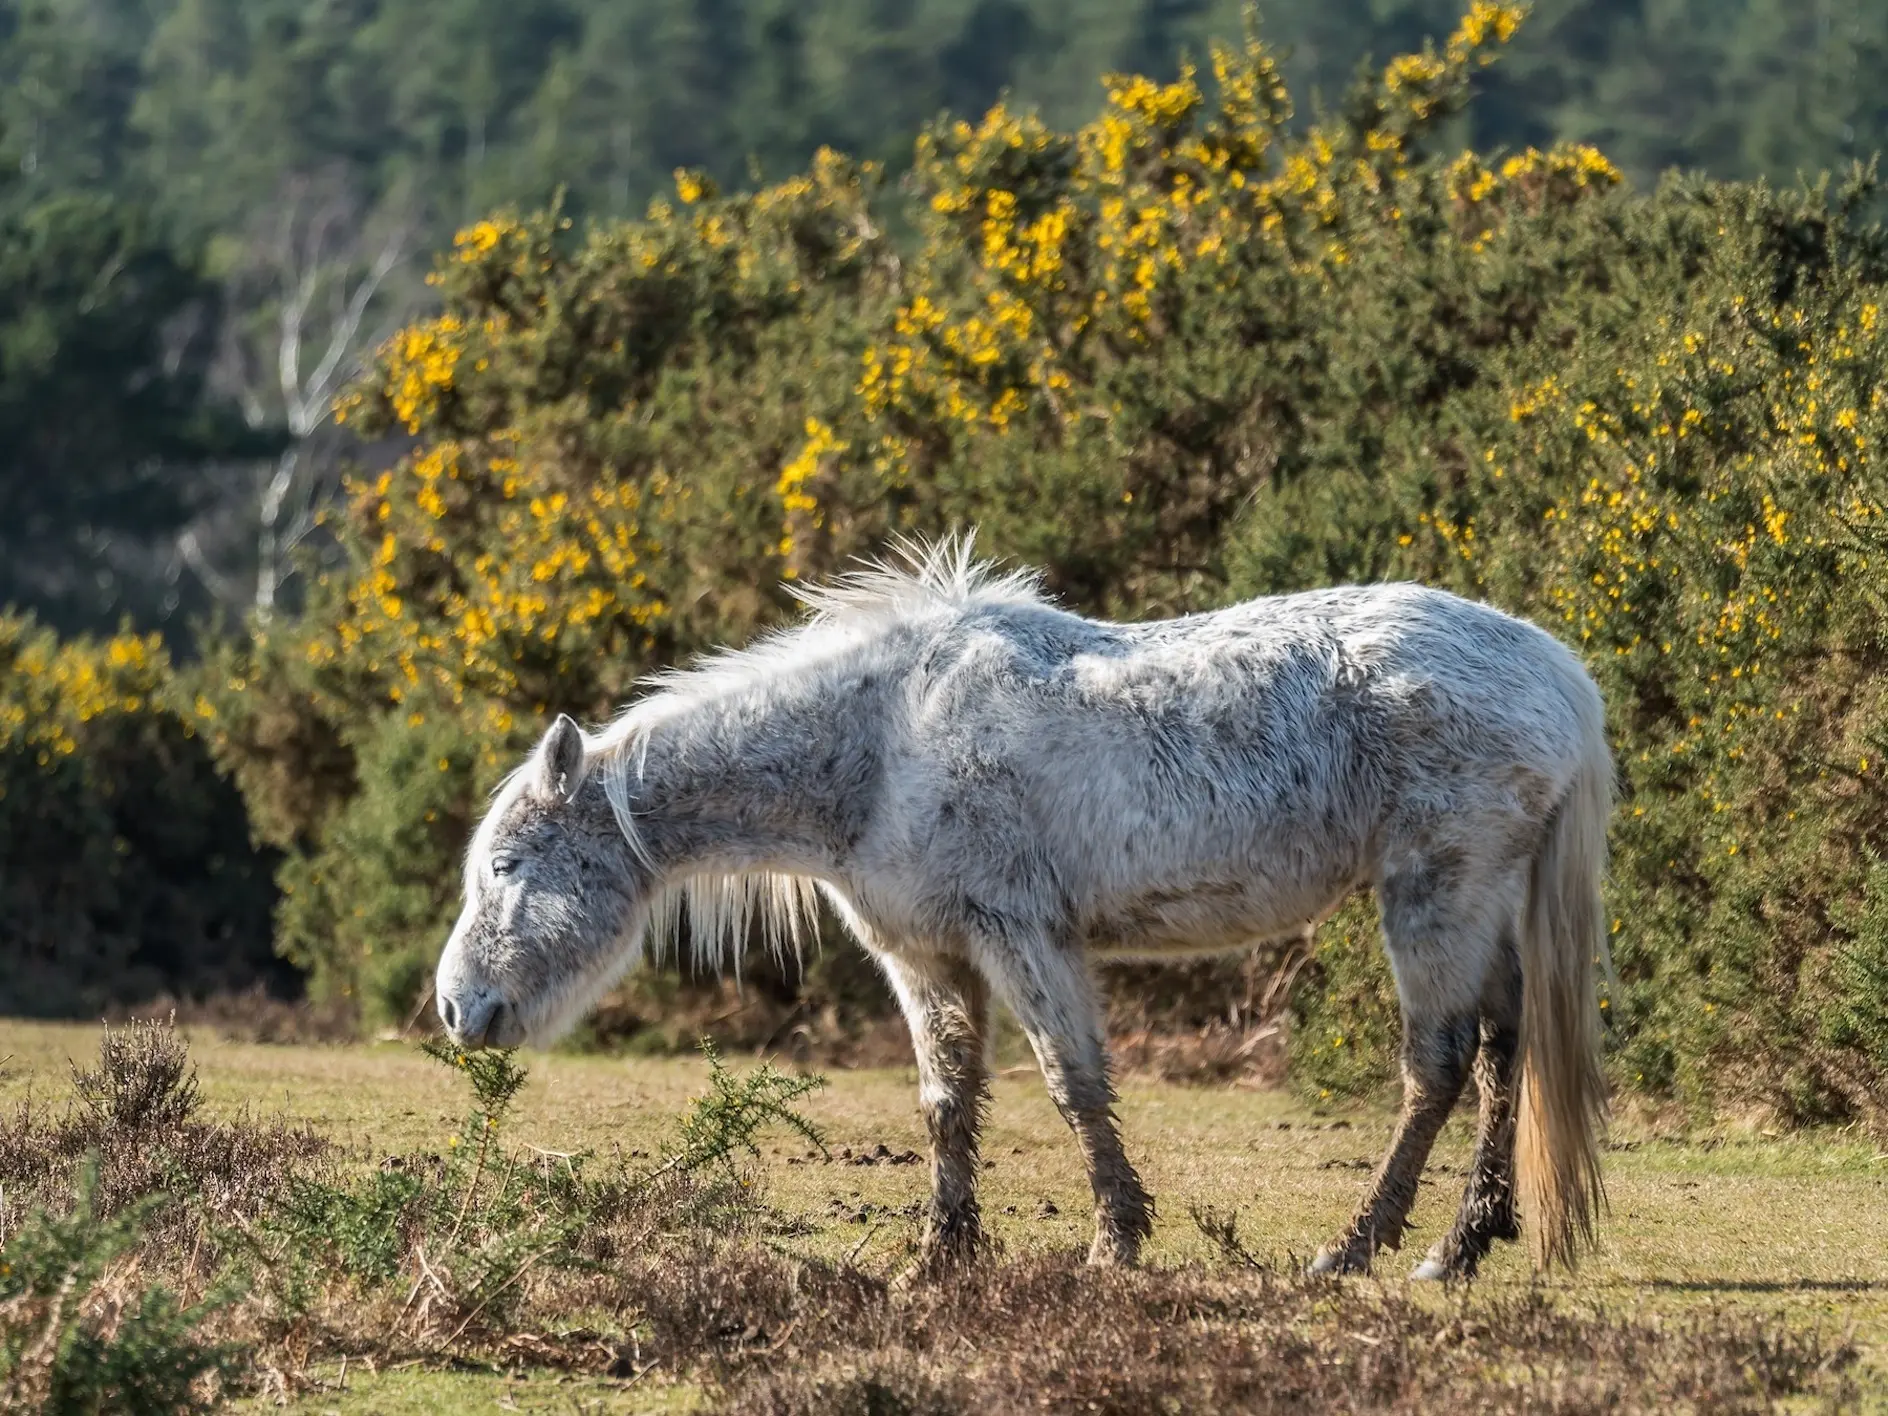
{"x":1047,"y":987}
{"x":946,"y":1004}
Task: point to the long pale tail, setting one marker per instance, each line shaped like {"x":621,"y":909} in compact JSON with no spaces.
{"x":1562,"y":1099}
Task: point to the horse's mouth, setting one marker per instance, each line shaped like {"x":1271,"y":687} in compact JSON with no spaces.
{"x":505,"y":1029}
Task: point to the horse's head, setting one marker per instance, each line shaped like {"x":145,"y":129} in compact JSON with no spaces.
{"x":551,"y":885}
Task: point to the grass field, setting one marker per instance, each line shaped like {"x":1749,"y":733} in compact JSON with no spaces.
{"x":1789,"y":1229}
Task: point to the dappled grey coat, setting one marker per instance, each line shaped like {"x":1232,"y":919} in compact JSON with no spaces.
{"x":989,"y":790}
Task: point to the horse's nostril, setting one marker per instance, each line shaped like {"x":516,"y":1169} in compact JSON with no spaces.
{"x":449,"y":1013}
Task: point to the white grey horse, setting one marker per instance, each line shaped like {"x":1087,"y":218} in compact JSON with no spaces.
{"x":991,"y":791}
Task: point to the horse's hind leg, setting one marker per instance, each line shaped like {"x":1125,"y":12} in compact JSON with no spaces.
{"x":1441,"y":954}
{"x":1048,"y":989}
{"x":1487,"y":1212}
{"x":946,"y":1004}
{"x":1437,"y":1053}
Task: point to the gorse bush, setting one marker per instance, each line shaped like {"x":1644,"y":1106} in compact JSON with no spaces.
{"x":1185,"y":354}
{"x":462,"y":1234}
{"x":78,"y":1337}
{"x":1190,"y":352}
{"x":463,"y":1231}
{"x":722,"y":1124}
{"x":129,"y":1168}
{"x":628,"y":440}
{"x":126,"y":863}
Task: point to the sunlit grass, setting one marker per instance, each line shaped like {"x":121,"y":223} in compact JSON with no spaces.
{"x":1790,"y":1225}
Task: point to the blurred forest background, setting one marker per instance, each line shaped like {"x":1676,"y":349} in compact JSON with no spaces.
{"x":378,"y":378}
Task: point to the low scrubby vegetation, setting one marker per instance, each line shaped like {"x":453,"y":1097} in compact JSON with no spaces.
{"x":253,"y":1257}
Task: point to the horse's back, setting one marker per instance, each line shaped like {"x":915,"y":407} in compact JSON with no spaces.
{"x":1459,"y":709}
{"x":1442,"y":665}
{"x":1397,"y":658}
{"x":1232,"y":771}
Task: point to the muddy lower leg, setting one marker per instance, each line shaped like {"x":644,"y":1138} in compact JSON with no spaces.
{"x":1487,"y":1212}
{"x":1052,"y":998}
{"x":946,"y":1004}
{"x":1124,"y":1211}
{"x":1436,"y":1060}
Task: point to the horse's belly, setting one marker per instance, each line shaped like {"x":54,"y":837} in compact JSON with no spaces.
{"x":1210,"y":918}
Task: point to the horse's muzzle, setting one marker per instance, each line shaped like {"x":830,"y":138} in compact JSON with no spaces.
{"x":484,"y":1019}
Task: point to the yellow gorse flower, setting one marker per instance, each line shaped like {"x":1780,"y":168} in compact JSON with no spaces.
{"x":1074,"y":240}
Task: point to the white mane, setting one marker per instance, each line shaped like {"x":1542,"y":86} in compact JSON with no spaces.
{"x":722,"y":909}
{"x":939,"y":574}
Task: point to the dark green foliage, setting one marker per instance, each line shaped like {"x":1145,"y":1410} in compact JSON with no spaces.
{"x":127,"y":869}
{"x":107,"y":331}
{"x":459,"y":108}
{"x":1650,"y":422}
{"x":386,"y":892}
{"x":1344,"y":1024}
{"x":160,"y":143}
{"x":362,"y":1228}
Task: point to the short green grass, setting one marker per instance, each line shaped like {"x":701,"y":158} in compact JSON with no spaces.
{"x":1792,"y":1225}
{"x":415,"y":1391}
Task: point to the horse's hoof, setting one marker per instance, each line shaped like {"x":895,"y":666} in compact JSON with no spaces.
{"x":1334,"y":1261}
{"x":1109,"y":1252}
{"x":911,"y":1278}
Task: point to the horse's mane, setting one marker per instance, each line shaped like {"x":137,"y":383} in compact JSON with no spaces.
{"x":921,"y":575}
{"x":920,"y":578}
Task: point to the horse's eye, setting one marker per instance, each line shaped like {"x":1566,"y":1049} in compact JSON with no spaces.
{"x":504,"y":865}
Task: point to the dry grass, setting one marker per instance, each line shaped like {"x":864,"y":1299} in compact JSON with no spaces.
{"x":1736,"y":1263}
{"x":138,"y":1112}
{"x":1054,"y":1336}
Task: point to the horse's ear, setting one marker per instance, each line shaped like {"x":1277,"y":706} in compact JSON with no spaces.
{"x":558,"y":769}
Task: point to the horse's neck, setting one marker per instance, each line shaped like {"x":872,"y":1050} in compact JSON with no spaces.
{"x":760,"y":780}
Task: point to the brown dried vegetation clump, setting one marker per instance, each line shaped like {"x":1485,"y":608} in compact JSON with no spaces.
{"x":138,"y":1111}
{"x":1049,"y":1335}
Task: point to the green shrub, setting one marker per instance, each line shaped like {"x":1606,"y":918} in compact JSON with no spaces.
{"x":1344,"y":1028}
{"x":463,"y":1232}
{"x":78,"y":1333}
{"x":371,"y":916}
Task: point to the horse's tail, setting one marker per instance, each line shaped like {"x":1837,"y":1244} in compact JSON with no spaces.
{"x":1561,"y":1108}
